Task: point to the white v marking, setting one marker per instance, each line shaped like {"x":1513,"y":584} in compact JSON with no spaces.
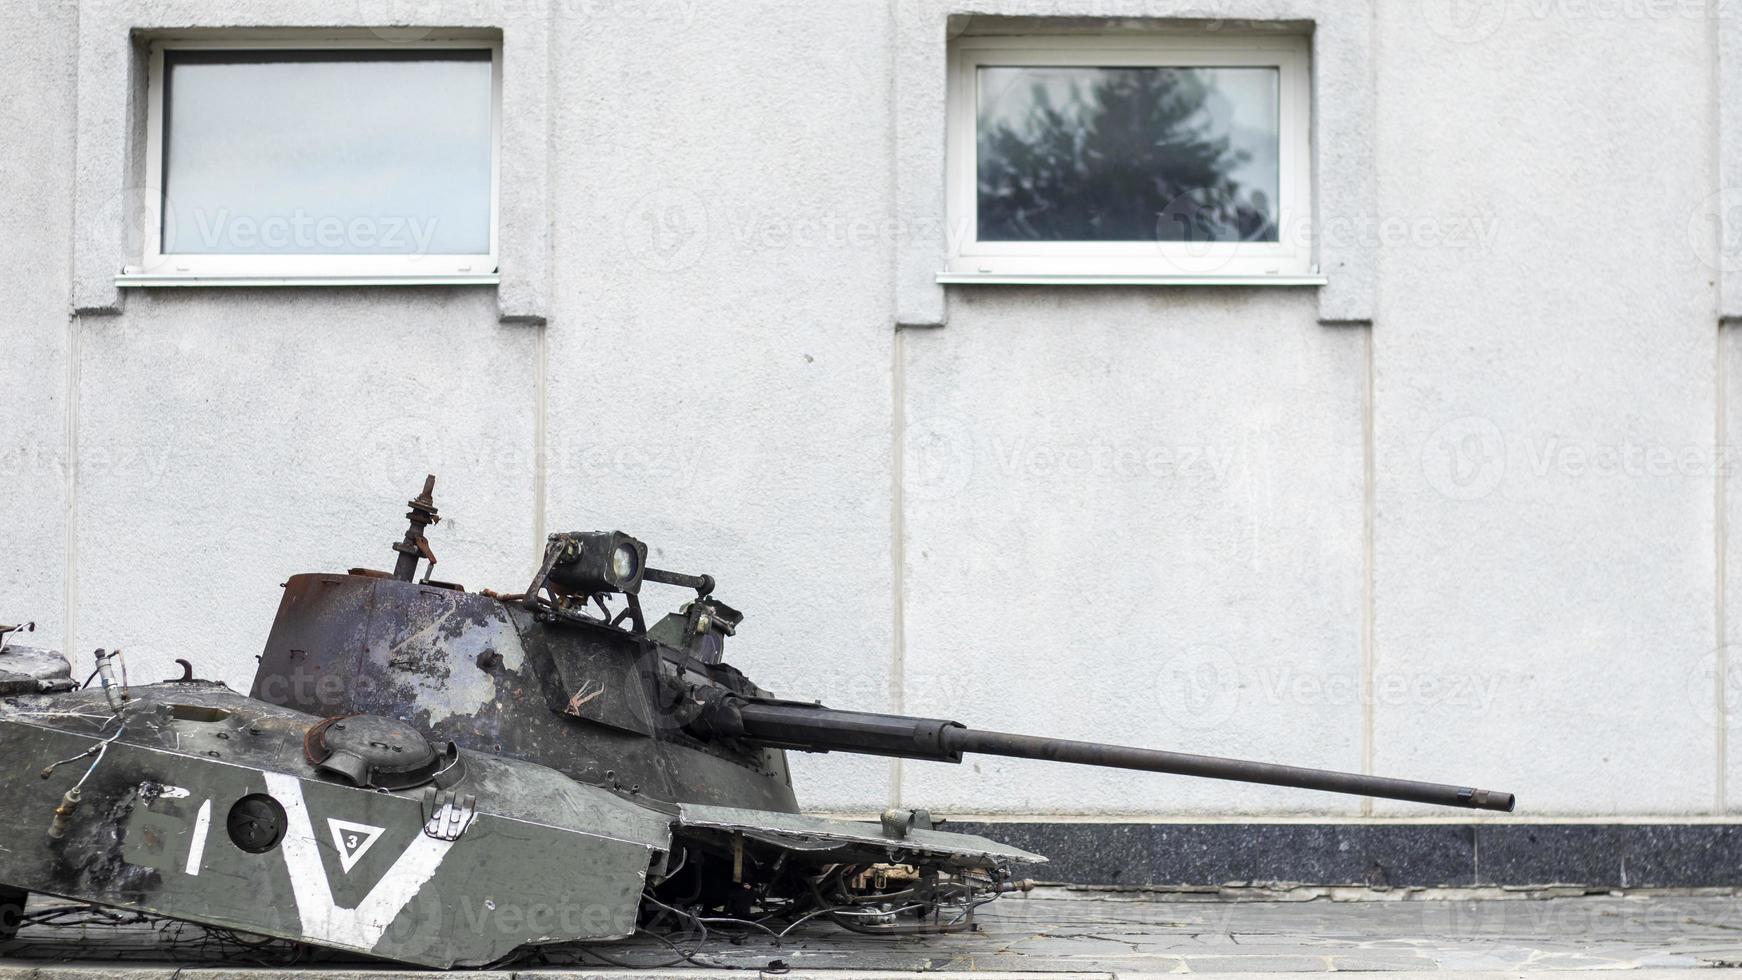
{"x":360,"y":928}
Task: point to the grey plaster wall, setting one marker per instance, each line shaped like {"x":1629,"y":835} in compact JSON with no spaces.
{"x":719,"y":359}
{"x":1138,"y":514}
{"x":1544,"y":410}
{"x":36,"y":181}
{"x":1446,"y":544}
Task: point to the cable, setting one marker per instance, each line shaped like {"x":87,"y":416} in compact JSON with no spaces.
{"x":717,"y":920}
{"x":102,"y":750}
{"x":697,"y":959}
{"x":841,"y":910}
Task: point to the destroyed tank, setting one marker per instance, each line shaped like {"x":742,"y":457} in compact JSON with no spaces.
{"x":450,"y":778}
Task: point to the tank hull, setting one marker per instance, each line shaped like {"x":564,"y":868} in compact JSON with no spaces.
{"x":537,"y":859}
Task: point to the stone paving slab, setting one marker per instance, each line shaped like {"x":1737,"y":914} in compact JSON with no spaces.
{"x":1092,"y":934}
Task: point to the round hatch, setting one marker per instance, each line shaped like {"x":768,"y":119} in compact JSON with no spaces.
{"x":374,"y":752}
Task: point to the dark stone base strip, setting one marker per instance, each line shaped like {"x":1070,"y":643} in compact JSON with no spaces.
{"x":1396,"y":855}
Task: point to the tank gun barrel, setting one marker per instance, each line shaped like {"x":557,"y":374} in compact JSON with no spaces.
{"x":1212,"y":767}
{"x":815,"y":728}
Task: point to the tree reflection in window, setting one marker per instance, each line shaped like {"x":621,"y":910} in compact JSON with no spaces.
{"x":1128,"y":154}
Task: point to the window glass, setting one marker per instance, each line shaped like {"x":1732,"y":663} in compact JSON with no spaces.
{"x":1087,"y":154}
{"x":327,"y":152}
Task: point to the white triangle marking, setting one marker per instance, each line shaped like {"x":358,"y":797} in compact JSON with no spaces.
{"x":322,"y":920}
{"x":353,"y":841}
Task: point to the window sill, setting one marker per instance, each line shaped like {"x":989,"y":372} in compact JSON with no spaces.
{"x":1081,"y":279}
{"x":139,"y":280}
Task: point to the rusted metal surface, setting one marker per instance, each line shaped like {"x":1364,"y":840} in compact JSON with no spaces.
{"x":415,"y":545}
{"x":487,"y":675}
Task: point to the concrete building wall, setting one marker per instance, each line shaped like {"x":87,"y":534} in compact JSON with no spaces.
{"x":1566,"y":567}
{"x":36,"y":183}
{"x":1441,"y":545}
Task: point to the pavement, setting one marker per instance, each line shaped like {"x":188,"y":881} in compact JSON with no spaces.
{"x":1482,"y":935}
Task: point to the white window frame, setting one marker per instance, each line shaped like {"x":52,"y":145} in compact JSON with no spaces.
{"x":182,"y":269}
{"x":1289,"y":261}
